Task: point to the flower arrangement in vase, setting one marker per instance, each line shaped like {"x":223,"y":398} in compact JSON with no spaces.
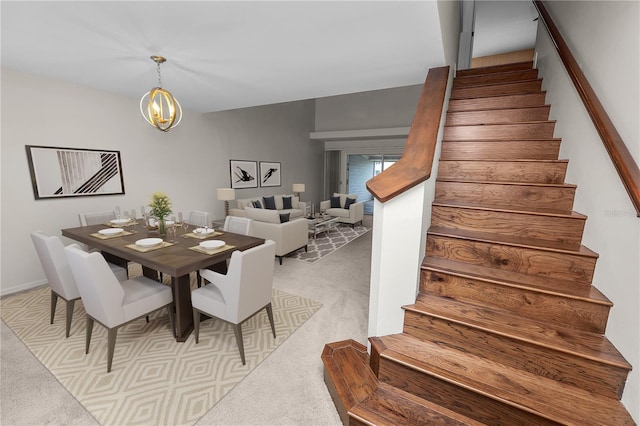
{"x":160,"y":208}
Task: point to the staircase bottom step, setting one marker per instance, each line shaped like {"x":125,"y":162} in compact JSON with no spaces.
{"x":486,"y":390}
{"x":362,"y":400}
{"x":392,"y":406}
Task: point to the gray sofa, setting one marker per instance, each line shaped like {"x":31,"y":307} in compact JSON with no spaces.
{"x":289,"y":236}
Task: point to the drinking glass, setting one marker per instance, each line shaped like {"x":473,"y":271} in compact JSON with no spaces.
{"x":117,"y":212}
{"x":133,"y":215}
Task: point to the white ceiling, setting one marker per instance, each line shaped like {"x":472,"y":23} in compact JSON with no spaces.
{"x":225,"y":55}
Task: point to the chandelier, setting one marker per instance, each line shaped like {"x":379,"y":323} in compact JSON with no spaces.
{"x":158,"y":106}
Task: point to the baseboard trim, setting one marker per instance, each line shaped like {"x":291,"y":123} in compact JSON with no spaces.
{"x":22,"y":287}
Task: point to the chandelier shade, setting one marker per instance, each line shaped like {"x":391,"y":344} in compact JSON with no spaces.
{"x":158,"y":106}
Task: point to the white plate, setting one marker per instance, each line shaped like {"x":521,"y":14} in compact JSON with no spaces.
{"x":212,"y":244}
{"x":168,"y":222}
{"x":149,"y":242}
{"x":110,"y":231}
{"x":203,"y":231}
{"x":120,"y":221}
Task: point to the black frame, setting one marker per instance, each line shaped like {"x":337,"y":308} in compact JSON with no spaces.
{"x":83,"y":172}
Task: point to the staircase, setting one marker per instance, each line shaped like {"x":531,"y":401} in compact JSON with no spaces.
{"x":507,"y":328}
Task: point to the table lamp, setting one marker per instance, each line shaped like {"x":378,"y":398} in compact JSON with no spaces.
{"x":298,"y":188}
{"x":226,"y":194}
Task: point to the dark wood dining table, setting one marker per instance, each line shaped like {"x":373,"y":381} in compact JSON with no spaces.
{"x":177,"y":260}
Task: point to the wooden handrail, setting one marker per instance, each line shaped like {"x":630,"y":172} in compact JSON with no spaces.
{"x":618,"y":151}
{"x":415,"y":164}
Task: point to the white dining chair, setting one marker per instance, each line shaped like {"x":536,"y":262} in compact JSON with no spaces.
{"x":198,"y":218}
{"x":111,"y":303}
{"x":96,"y":218}
{"x":240,"y":294}
{"x":58,"y":273}
{"x":238,"y":225}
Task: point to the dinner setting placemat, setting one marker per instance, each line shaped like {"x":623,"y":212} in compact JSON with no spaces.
{"x":203,"y":236}
{"x":146,"y":249}
{"x":120,"y":225}
{"x":211,"y":251}
{"x":106,"y":237}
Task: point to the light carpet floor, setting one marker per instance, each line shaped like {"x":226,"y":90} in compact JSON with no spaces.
{"x":154,"y":379}
{"x":287,"y":388}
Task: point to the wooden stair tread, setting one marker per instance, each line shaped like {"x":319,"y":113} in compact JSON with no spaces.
{"x":524,"y":99}
{"x":563,"y":288}
{"x":506,"y":123}
{"x":502,"y":160}
{"x":506,"y":140}
{"x":578,"y":343}
{"x":535,"y":394}
{"x":392,"y":406}
{"x":531,"y":243}
{"x":509,"y":209}
{"x":491,"y":69}
{"x":492,"y":109}
{"x":497,"y":182}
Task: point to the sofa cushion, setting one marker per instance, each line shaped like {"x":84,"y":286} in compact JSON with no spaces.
{"x":284,"y":217}
{"x":348,"y":201}
{"x":263,"y":215}
{"x":343,"y":197}
{"x":269,"y":203}
{"x":286,"y":203}
{"x":293,"y":213}
{"x":335,"y":202}
{"x":339,"y":212}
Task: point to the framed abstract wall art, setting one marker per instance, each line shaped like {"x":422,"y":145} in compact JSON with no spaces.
{"x":269,"y":174}
{"x":244,"y":174}
{"x":74,"y":172}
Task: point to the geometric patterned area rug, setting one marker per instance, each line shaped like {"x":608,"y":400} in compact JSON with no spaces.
{"x":154,"y":379}
{"x":328,"y":242}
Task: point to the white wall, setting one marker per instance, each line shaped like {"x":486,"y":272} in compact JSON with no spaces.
{"x":604,"y":38}
{"x":188,"y":163}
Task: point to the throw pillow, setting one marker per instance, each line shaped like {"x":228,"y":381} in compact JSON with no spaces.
{"x":286,"y":203}
{"x":256,"y":204}
{"x":284,"y":217}
{"x":335,"y":202}
{"x":269,"y":203}
{"x":348,"y":202}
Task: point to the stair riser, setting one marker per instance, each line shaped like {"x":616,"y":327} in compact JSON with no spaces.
{"x":562,"y":266}
{"x":519,"y":115}
{"x":456,"y":398}
{"x":599,"y":378}
{"x":490,"y":150}
{"x":520,"y":131}
{"x":498,"y":102}
{"x":515,"y":171}
{"x":503,"y":77}
{"x":561,"y":311}
{"x":521,"y":196}
{"x":518,"y":88}
{"x":564,"y":230}
{"x":493,"y":69}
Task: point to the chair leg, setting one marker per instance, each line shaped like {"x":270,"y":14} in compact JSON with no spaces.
{"x":280,"y":257}
{"x":88,"y":336}
{"x":196,"y":325}
{"x":111,"y":345}
{"x":54,"y":302}
{"x":270,"y":315}
{"x":237,"y":329}
{"x":198,"y":279}
{"x":70,"y":305}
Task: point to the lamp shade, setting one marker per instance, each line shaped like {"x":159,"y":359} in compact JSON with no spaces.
{"x":226,"y":194}
{"x":298,"y":187}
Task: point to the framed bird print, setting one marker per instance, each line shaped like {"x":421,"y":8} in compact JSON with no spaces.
{"x":269,"y":174}
{"x":244,"y":174}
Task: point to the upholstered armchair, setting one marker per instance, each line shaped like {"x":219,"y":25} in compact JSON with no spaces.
{"x":111,"y":303}
{"x":240,"y":294}
{"x":345,"y":207}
